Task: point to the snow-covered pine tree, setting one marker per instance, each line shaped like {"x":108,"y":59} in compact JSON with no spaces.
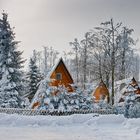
{"x":59,"y":99}
{"x":34,"y":78}
{"x":10,"y":66}
{"x":42,"y":98}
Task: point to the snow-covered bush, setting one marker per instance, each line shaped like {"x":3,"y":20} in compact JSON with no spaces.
{"x":132,"y":106}
{"x":104,"y":105}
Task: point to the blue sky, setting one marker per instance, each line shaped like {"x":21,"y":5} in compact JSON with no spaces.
{"x":57,"y":22}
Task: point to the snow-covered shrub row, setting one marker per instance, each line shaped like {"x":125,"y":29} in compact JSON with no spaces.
{"x":59,"y":99}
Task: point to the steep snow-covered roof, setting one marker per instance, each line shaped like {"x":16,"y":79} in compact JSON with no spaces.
{"x":126,"y":81}
{"x":54,"y":68}
{"x":131,"y":86}
{"x":120,"y":88}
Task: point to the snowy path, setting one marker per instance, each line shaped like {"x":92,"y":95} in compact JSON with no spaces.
{"x":75,"y":127}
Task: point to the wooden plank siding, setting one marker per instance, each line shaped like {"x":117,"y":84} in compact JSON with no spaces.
{"x":65,"y":78}
{"x":101,"y":92}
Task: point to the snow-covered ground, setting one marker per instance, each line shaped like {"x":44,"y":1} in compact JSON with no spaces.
{"x":74,"y":127}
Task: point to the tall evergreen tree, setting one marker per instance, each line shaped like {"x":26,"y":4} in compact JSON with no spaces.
{"x":10,"y":66}
{"x":34,"y":77}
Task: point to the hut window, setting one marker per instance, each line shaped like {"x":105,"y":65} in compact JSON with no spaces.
{"x":58,"y":76}
{"x":102,"y":97}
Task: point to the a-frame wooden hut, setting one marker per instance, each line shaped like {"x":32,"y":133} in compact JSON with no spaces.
{"x":101,"y":93}
{"x":60,"y":76}
{"x":132,"y":87}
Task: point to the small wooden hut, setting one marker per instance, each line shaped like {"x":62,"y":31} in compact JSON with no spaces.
{"x":132,"y":87}
{"x":101,"y":93}
{"x":60,"y":76}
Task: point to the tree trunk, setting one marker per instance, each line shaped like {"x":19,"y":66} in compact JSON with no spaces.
{"x":113,"y":61}
{"x":107,"y":80}
{"x":123,"y":66}
{"x":85,"y":67}
{"x":100,"y":68}
{"x":45,"y":61}
{"x":85,"y":60}
{"x":77,"y":66}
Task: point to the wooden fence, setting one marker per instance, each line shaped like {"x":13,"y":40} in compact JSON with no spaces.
{"x":32,"y":112}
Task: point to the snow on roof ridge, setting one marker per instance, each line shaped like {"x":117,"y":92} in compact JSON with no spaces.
{"x":53,"y":68}
{"x":126,"y":80}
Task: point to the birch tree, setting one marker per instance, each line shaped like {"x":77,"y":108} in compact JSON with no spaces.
{"x":76,"y":47}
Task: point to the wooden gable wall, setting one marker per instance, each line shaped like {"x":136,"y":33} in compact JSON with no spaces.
{"x":66,"y":78}
{"x":101,"y":91}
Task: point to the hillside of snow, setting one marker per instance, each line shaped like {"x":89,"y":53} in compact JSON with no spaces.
{"x":74,"y":127}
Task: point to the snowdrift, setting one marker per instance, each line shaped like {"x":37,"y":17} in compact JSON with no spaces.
{"x":83,"y":119}
{"x":74,"y":127}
